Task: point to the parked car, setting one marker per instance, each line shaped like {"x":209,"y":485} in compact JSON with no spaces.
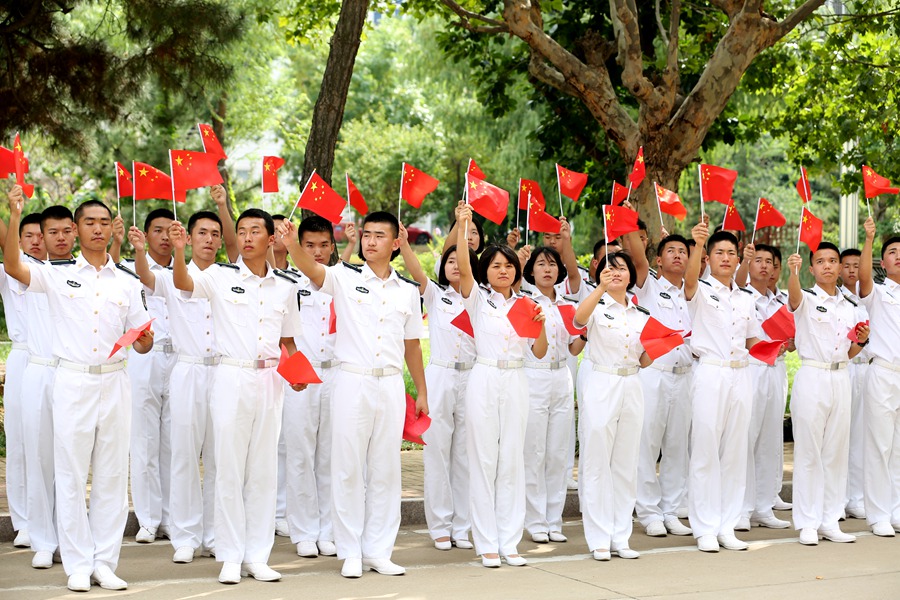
{"x":416,"y":235}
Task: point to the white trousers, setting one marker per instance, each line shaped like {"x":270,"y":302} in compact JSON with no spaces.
{"x":496,"y":418}
{"x":192,"y":501}
{"x":307,"y":437}
{"x":551,"y":410}
{"x":365,"y":463}
{"x":820,"y":413}
{"x":91,"y":427}
{"x":246,"y":417}
{"x":281,"y":478}
{"x":666,"y":429}
{"x":882,"y":445}
{"x":855,"y":467}
{"x":38,"y":430}
{"x":720,"y":415}
{"x":584,"y":369}
{"x":444,"y":455}
{"x":13,"y":428}
{"x":612,"y":415}
{"x":572,"y":363}
{"x":766,"y":439}
{"x":151,"y":452}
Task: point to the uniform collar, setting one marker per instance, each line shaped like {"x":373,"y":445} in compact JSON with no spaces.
{"x":757,"y":294}
{"x":82,"y":263}
{"x":891,"y":285}
{"x":721,"y":287}
{"x":610,"y":303}
{"x":538,"y":296}
{"x":492,"y":295}
{"x":667,"y":285}
{"x":847,"y":292}
{"x":369,"y":274}
{"x":246,"y":273}
{"x":823,"y":295}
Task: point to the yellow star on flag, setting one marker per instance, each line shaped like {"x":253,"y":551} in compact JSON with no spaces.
{"x":143,"y":172}
{"x":268,"y":166}
{"x":314,"y":186}
{"x":179,"y":160}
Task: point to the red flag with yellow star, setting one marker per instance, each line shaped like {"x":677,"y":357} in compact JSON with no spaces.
{"x":192,"y":170}
{"x":619,"y":193}
{"x":355,"y":197}
{"x":732,"y":220}
{"x":270,"y":167}
{"x":669,"y":202}
{"x":7,"y":162}
{"x":321,"y":199}
{"x":810,"y":229}
{"x":22,"y":167}
{"x":570,"y":182}
{"x":124,"y":184}
{"x":537,"y":196}
{"x":639,"y":171}
{"x":415,"y":185}
{"x":768,"y":216}
{"x":803,"y":186}
{"x":717,"y":183}
{"x":210,"y":141}
{"x":487,"y":199}
{"x":876,"y":184}
{"x":619,"y":220}
{"x":151,"y":183}
{"x":475,"y":171}
{"x":540,"y":220}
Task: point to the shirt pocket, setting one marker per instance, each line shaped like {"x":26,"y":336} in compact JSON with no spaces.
{"x":116,"y":306}
{"x":237,"y":308}
{"x":362,"y":306}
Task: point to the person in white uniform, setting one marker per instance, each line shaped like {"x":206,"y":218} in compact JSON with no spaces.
{"x":253,"y":309}
{"x":379,"y":324}
{"x":92,"y":301}
{"x":780,"y":296}
{"x":820,"y":396}
{"x":881,"y":414}
{"x":724,"y":327}
{"x":496,"y":402}
{"x":446,"y":484}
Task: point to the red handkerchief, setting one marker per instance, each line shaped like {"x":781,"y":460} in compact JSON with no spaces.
{"x":567,"y":311}
{"x":296,"y":368}
{"x":332,"y":319}
{"x":780,"y":326}
{"x":853,"y":334}
{"x":129,"y":337}
{"x":463,"y":322}
{"x":658,"y":339}
{"x":766,"y":351}
{"x":522,"y":314}
{"x":414,"y":426}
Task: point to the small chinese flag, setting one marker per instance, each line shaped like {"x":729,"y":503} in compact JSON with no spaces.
{"x":487,"y":199}
{"x":521,"y":316}
{"x":296,"y":368}
{"x":210,"y":141}
{"x":541,"y":221}
{"x":7,"y":162}
{"x":639,"y":171}
{"x":853,"y":334}
{"x":658,"y":339}
{"x":876,"y":184}
{"x":192,"y":170}
{"x":270,"y":166}
{"x":780,"y":326}
{"x":567,"y":312}
{"x":717,"y":183}
{"x":570,"y":182}
{"x":537,"y":196}
{"x":475,"y":171}
{"x":669,"y":202}
{"x":129,"y":337}
{"x":151,"y":183}
{"x":318,"y":197}
{"x":463,"y":323}
{"x":803,"y":186}
{"x":619,"y":193}
{"x":22,"y":167}
{"x":356,"y":198}
{"x":619,"y":221}
{"x":332,"y":319}
{"x":124,"y":184}
{"x":415,"y":185}
{"x":766,"y":352}
{"x":810,"y":229}
{"x":733,"y":221}
{"x":414,"y":425}
{"x":768,"y":216}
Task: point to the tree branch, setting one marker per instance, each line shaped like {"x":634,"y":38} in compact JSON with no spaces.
{"x":466,"y":17}
{"x":630,"y":56}
{"x":670,"y":76}
{"x":659,"y":24}
{"x":729,"y":7}
{"x":795,"y":18}
{"x":544,"y":73}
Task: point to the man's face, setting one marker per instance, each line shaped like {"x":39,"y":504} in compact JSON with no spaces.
{"x":673,"y":259}
{"x":158,"y":236}
{"x":850,"y":271}
{"x":32,"y":242}
{"x":205,"y":239}
{"x":761,"y":268}
{"x":253,"y":238}
{"x":826,"y":266}
{"x":318,"y":245}
{"x":59,"y":237}
{"x":891,"y":261}
{"x":379,"y":241}
{"x":94,"y":228}
{"x":553,"y":240}
{"x":723,"y":259}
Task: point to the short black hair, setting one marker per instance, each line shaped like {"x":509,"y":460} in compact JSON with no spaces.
{"x":487,"y":257}
{"x":257,"y":213}
{"x":278,"y":217}
{"x":672,"y":238}
{"x":617,"y":259}
{"x":380,"y":216}
{"x":57,"y":212}
{"x":203,"y":214}
{"x":528,"y":272}
{"x":641,"y":225}
{"x":893,"y":240}
{"x":850,"y":252}
{"x":767,"y":248}
{"x":601,"y":245}
{"x":482,"y":242}
{"x":442,"y":273}
{"x":87,"y":204}
{"x":314,"y":224}
{"x":737,"y":235}
{"x":721,"y":236}
{"x":29,"y":219}
{"x":828,"y":246}
{"x":157,"y":213}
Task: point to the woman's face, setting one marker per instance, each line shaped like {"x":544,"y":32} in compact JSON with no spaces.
{"x":451,"y":268}
{"x":473,"y":239}
{"x":620,"y":277}
{"x":501,"y":273}
{"x":546,"y":271}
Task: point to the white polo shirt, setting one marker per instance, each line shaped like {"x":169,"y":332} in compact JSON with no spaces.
{"x":823,"y":323}
{"x":666,"y":304}
{"x":192,"y":329}
{"x":615,"y":333}
{"x":314,"y":340}
{"x":722,"y":320}
{"x":495,"y":338}
{"x":883,"y":305}
{"x":558,"y":337}
{"x":448,"y":342}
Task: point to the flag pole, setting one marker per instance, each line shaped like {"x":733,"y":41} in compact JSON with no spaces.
{"x":799,"y":233}
{"x":606,"y":237}
{"x":466,"y":196}
{"x":172,"y":171}
{"x":133,"y":198}
{"x":347,"y":183}
{"x":118,"y":191}
{"x":629,"y":192}
{"x":301,"y":194}
{"x":400,"y":198}
{"x":518,"y":204}
{"x":755,"y":221}
{"x":700,"y":179}
{"x":806,"y":189}
{"x":559,"y":191}
{"x":658,"y":206}
{"x":528,"y":218}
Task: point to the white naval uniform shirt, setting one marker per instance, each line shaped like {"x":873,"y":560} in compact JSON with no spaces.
{"x":313,"y":339}
{"x":250,"y":314}
{"x":13,"y":294}
{"x":156,"y":305}
{"x":823,"y":323}
{"x":558,"y":337}
{"x":883,"y":305}
{"x":723,"y":320}
{"x":374,"y":316}
{"x":39,"y":325}
{"x":448,"y":342}
{"x":766,"y":306}
{"x":90,"y":309}
{"x":495,"y":338}
{"x":861,"y":315}
{"x":192,"y":330}
{"x":666,"y":303}
{"x":615,"y":333}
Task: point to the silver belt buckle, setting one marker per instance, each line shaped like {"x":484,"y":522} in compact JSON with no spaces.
{"x":326,"y":364}
{"x":834,"y":366}
{"x":95,"y":369}
{"x":259,"y":364}
{"x":378,"y":372}
{"x":209,"y":360}
{"x":502,"y":364}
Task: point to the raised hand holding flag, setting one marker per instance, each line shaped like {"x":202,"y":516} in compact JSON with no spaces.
{"x":22,"y":167}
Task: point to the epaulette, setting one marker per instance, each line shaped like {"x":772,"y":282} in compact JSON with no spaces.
{"x":746,"y":290}
{"x":642,"y":309}
{"x":705,"y":281}
{"x":485,"y":288}
{"x":849,"y":299}
{"x":525,"y":292}
{"x":809,"y":291}
{"x":122,"y":267}
{"x":34,"y":258}
{"x":570,"y":299}
{"x":591,"y":283}
{"x":652,"y":272}
{"x":283,"y":275}
{"x":443,"y":287}
{"x":229,"y":265}
{"x":356,"y":268}
{"x":63,"y":261}
{"x":408,"y":280}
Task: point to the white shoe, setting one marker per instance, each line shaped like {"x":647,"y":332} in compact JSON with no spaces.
{"x":230,"y":573}
{"x":105,"y":578}
{"x":743,"y":524}
{"x":770,"y":522}
{"x":162,"y":533}
{"x":79,"y":582}
{"x":282,"y":529}
{"x":490,"y":563}
{"x":896,"y":527}
{"x":327,"y":548}
{"x":443,"y":544}
{"x":463,"y":544}
{"x":42,"y":560}
{"x":540,"y":537}
{"x":260,"y":572}
{"x":729,"y":542}
{"x":183,"y":555}
{"x":210,"y":552}
{"x":856,"y":513}
{"x":837,"y":536}
{"x":883,"y":529}
{"x":656,"y":529}
{"x":23,"y":540}
{"x":307,"y":549}
{"x":707,"y":543}
{"x":515,"y":560}
{"x":809,"y":536}
{"x":627,"y":552}
{"x":675,"y":527}
{"x":682,"y":512}
{"x":781,"y":504}
{"x":145,"y":536}
{"x":382,"y":566}
{"x":558,"y":537}
{"x":352,"y":568}
{"x":601,"y":555}
{"x":571,"y":484}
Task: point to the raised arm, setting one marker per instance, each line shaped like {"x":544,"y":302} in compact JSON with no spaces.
{"x":180,"y":276}
{"x":586,"y":307}
{"x":303,"y":261}
{"x":742,"y":276}
{"x":412,"y":261}
{"x":2,"y":235}
{"x":350,"y":248}
{"x":795,"y":292}
{"x":220,"y":197}
{"x":118,"y":236}
{"x":632,"y":244}
{"x":570,"y":261}
{"x":141,"y":266}
{"x":866,"y":281}
{"x":466,"y":275}
{"x":15,"y":268}
{"x":700,"y":233}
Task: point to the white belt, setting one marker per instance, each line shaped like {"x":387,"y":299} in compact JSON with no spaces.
{"x":861,"y":360}
{"x":459,"y":366}
{"x":827,"y":366}
{"x":325,"y":364}
{"x":92,"y":369}
{"x":501,"y":364}
{"x":376,"y":372}
{"x":165,"y":347}
{"x":559,"y":364}
{"x":759,"y":363}
{"x":887,"y":365}
{"x":620,"y":371}
{"x":675,"y":370}
{"x":44,"y":362}
{"x":250,"y":364}
{"x":20,"y":346}
{"x":199,"y":360}
{"x":731,"y":364}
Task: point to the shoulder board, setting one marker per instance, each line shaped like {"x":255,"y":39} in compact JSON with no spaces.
{"x":408,"y":280}
{"x":229,"y":265}
{"x":63,"y":261}
{"x":809,"y":291}
{"x":652,"y":272}
{"x":169,"y":268}
{"x":525,"y":293}
{"x":705,"y":281}
{"x":642,"y":309}
{"x":443,"y":287}
{"x":283,"y":275}
{"x":485,"y":288}
{"x":356,"y":268}
{"x":34,"y":258}
{"x":591,"y":283}
{"x":122,"y":267}
{"x":849,"y":299}
{"x":570,"y":299}
{"x":746,"y":290}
